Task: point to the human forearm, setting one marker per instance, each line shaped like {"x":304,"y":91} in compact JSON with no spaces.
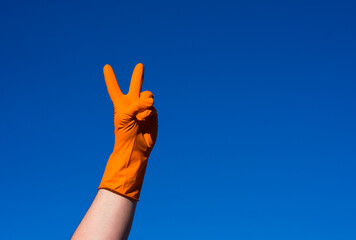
{"x":109,"y":217}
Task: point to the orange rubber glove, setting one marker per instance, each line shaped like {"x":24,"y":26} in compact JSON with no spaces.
{"x":136,"y":125}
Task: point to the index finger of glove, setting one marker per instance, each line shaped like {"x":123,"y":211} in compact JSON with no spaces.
{"x":111,"y":84}
{"x":136,"y":81}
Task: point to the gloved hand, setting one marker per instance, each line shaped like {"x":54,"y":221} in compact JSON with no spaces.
{"x":136,"y":125}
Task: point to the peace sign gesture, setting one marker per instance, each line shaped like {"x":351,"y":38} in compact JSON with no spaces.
{"x":136,"y":125}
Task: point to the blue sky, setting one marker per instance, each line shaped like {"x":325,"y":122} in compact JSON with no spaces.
{"x":256,"y":104}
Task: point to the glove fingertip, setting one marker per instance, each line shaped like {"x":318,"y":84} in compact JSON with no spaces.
{"x":148,"y":102}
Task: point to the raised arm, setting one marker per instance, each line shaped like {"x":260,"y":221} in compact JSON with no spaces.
{"x":135,"y":119}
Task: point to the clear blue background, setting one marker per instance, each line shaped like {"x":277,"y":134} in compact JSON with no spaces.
{"x":256,"y":101}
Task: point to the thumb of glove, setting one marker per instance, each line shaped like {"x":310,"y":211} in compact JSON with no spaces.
{"x":140,"y":105}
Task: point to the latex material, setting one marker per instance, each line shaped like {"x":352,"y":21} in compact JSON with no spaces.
{"x":136,"y":125}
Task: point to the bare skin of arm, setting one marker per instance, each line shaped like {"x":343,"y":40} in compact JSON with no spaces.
{"x":109,"y":217}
